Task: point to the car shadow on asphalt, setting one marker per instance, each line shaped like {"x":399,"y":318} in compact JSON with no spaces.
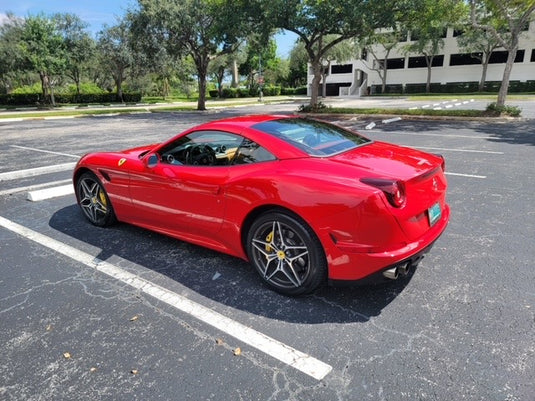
{"x":225,"y":279}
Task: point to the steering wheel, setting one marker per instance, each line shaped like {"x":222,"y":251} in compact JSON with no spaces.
{"x":201,"y":155}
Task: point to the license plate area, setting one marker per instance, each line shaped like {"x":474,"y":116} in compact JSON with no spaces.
{"x":434,"y":213}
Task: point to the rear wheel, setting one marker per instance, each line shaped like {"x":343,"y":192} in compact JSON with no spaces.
{"x":286,"y":253}
{"x":94,"y":201}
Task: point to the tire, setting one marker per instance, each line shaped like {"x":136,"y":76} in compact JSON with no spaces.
{"x":286,"y":253}
{"x":94,"y":200}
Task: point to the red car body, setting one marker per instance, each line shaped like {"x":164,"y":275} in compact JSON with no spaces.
{"x":372,"y":208}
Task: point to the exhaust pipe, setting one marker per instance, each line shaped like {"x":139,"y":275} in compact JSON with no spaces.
{"x":404,"y":270}
{"x":392,"y":273}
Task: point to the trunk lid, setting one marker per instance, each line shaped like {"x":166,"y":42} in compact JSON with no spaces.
{"x":385,"y":160}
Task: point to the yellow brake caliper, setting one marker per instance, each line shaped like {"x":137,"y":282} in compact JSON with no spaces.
{"x":269,"y":238}
{"x":102,"y":198}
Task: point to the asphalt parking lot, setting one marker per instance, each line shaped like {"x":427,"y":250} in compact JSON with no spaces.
{"x":123,"y":313}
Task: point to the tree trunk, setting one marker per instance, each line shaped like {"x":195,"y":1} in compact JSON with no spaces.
{"x":383,"y":78}
{"x":325,"y":74}
{"x":484,"y":72}
{"x":429,"y":61}
{"x":52,"y":98}
{"x":384,"y":69}
{"x":119,"y":86}
{"x":201,"y":102}
{"x":44,"y":85}
{"x":220,"y":75}
{"x":235,"y":79}
{"x":316,"y":70}
{"x":504,"y":87}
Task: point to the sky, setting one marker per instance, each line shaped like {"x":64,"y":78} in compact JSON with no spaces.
{"x":99,"y":12}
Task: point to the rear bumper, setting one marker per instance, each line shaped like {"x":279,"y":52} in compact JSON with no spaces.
{"x":351,"y":265}
{"x":408,"y":264}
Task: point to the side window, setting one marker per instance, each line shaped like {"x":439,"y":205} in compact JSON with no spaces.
{"x":251,"y":152}
{"x":202,"y":148}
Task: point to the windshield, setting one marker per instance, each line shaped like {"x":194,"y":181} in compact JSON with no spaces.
{"x":317,"y":138}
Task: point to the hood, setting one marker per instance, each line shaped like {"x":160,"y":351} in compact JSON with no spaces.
{"x":385,"y":160}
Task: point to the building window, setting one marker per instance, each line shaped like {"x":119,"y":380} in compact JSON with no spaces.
{"x":532,"y":55}
{"x":500,"y":56}
{"x":395,"y":63}
{"x":342,"y":69}
{"x":465,"y":59}
{"x":419,"y":62}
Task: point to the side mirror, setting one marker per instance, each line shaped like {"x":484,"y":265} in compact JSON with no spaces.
{"x":152,"y":160}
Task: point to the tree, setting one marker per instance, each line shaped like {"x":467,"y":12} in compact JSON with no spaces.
{"x":43,"y":50}
{"x":514,"y":15}
{"x":429,"y":26}
{"x":315,"y":20}
{"x":260,"y":59}
{"x":10,"y":56}
{"x":480,"y":46}
{"x":115,"y":53}
{"x":385,"y":42}
{"x":297,"y":75}
{"x":202,"y":29}
{"x":341,"y":52}
{"x":79,"y":46}
{"x":218,"y":68}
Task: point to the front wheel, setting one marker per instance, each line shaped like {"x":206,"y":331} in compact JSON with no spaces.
{"x":286,"y":253}
{"x":94,"y":201}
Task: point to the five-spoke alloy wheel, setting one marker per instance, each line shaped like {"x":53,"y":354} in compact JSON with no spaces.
{"x":94,"y":201}
{"x":286,"y":253}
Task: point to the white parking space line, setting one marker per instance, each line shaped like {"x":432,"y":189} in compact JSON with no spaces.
{"x":466,"y":175}
{"x":32,"y":172}
{"x":437,"y":106}
{"x":284,"y":353}
{"x":33,"y":187}
{"x":49,"y":193}
{"x":445,"y":136}
{"x":490,"y":152}
{"x":45,"y":151}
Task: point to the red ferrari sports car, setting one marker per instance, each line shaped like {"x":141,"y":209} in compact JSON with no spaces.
{"x":303,"y":200}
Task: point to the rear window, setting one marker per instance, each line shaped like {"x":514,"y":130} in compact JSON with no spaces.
{"x":317,"y":138}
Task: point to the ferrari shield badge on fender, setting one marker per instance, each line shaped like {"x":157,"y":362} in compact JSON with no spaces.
{"x":121,"y":162}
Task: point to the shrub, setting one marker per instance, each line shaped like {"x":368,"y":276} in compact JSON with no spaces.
{"x":271,"y":90}
{"x":229,"y":93}
{"x":243,"y":92}
{"x":512,"y":111}
{"x":287,"y":91}
{"x":307,"y":108}
{"x":27,"y":99}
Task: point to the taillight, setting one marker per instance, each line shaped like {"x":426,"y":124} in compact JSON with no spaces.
{"x":393,"y":190}
{"x":443,"y":164}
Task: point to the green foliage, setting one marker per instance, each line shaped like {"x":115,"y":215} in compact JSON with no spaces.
{"x":27,"y":89}
{"x":511,"y":111}
{"x":233,"y":93}
{"x":504,"y":21}
{"x":18,"y":99}
{"x":319,"y":107}
{"x":202,"y":29}
{"x":406,"y":112}
{"x":321,"y":25}
{"x":454,"y":87}
{"x":85,"y":88}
